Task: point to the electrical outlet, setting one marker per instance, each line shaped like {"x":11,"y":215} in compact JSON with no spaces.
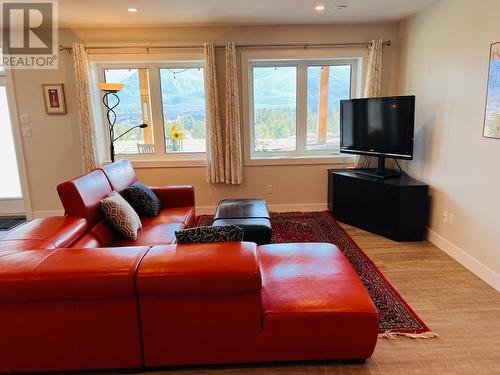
{"x":269,"y":189}
{"x":445,"y":216}
{"x":24,"y":119}
{"x":452,"y":219}
{"x":26,"y":132}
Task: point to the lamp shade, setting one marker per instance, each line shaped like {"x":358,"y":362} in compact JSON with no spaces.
{"x":110,"y":87}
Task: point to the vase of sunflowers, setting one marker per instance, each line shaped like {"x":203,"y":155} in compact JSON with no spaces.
{"x":176,"y":137}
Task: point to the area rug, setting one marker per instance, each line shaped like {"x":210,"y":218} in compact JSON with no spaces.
{"x":8,"y":222}
{"x":397,"y":318}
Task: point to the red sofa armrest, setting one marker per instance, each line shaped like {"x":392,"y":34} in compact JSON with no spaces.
{"x":60,"y":231}
{"x":175,"y":196}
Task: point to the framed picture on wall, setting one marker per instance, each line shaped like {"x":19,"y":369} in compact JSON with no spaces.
{"x":492,"y":111}
{"x":55,"y":102}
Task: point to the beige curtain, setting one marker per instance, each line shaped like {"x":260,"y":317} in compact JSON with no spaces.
{"x":87,"y":131}
{"x":372,"y":89}
{"x":215,"y":157}
{"x":232,"y":156}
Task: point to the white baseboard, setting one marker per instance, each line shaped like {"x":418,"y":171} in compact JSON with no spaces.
{"x":472,"y":264}
{"x":210,"y":210}
{"x":205,"y":210}
{"x":39,"y":214}
{"x":306,"y":207}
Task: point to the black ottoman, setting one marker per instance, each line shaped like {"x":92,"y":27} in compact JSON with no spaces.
{"x":250,"y":214}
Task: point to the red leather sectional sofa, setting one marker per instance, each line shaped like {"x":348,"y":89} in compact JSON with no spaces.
{"x":74,"y":295}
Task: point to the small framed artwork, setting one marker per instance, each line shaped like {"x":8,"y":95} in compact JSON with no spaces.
{"x":55,"y":102}
{"x":492,"y":112}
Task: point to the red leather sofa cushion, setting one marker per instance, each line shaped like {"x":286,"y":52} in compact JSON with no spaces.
{"x":184,"y":215}
{"x":120,"y":174}
{"x":15,"y":269}
{"x":69,"y":309}
{"x":69,"y":274}
{"x":105,"y":233}
{"x":214,"y":268}
{"x":87,"y":241}
{"x":13,"y":246}
{"x":175,"y":196}
{"x":103,"y":273}
{"x":314,"y":304}
{"x":81,"y":197}
{"x":159,"y":230}
{"x":61,"y":231}
{"x":152,"y":235}
{"x":200,"y":304}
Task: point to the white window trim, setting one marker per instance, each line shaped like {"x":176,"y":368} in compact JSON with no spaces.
{"x":295,"y":57}
{"x":153,"y":62}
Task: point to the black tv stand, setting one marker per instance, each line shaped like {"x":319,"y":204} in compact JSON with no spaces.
{"x":380,"y":171}
{"x":396,"y":208}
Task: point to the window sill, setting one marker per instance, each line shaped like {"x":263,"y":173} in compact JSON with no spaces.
{"x":344,"y":160}
{"x":163,"y":163}
{"x":340,"y":161}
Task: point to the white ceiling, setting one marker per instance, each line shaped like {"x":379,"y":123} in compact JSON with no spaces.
{"x":112,"y":13}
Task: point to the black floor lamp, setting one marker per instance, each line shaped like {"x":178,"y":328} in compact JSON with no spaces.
{"x":112,"y":89}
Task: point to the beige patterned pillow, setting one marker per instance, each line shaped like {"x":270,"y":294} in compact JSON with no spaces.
{"x":121,"y":215}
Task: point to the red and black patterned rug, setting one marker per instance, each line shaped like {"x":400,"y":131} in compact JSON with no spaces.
{"x":396,"y":316}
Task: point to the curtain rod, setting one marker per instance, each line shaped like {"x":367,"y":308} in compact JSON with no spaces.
{"x":292,"y":45}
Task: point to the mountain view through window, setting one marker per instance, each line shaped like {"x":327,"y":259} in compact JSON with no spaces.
{"x":276,"y":107}
{"x":183,"y":109}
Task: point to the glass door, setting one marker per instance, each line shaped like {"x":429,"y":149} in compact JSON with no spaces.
{"x":11,"y":197}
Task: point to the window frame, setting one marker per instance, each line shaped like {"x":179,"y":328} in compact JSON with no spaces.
{"x":300,"y":59}
{"x":161,"y":157}
{"x":180,"y":65}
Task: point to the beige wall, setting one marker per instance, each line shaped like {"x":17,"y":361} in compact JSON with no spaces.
{"x":53,"y":153}
{"x":445,"y":64}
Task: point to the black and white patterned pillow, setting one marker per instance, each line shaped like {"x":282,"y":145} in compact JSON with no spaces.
{"x":227,"y":233}
{"x":121,"y":215}
{"x":142,"y":199}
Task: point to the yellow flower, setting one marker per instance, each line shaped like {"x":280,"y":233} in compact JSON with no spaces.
{"x":176,"y":135}
{"x":173,"y":128}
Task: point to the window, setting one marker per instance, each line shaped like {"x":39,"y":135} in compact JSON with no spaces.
{"x":294,"y":108}
{"x":133,"y":109}
{"x":183,"y":103}
{"x":170,"y":98}
{"x":327,"y":85}
{"x":275,"y":108}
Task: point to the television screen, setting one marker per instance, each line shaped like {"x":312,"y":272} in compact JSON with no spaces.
{"x":378,"y":126}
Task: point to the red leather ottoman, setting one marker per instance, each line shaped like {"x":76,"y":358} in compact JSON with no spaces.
{"x":314,"y":305}
{"x":200,"y":304}
{"x":69,"y":309}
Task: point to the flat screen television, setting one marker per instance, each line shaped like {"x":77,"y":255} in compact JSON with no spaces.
{"x":381,"y":127}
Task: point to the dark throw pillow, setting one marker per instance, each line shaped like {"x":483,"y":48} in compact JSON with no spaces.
{"x":142,"y":199}
{"x":228,"y":233}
